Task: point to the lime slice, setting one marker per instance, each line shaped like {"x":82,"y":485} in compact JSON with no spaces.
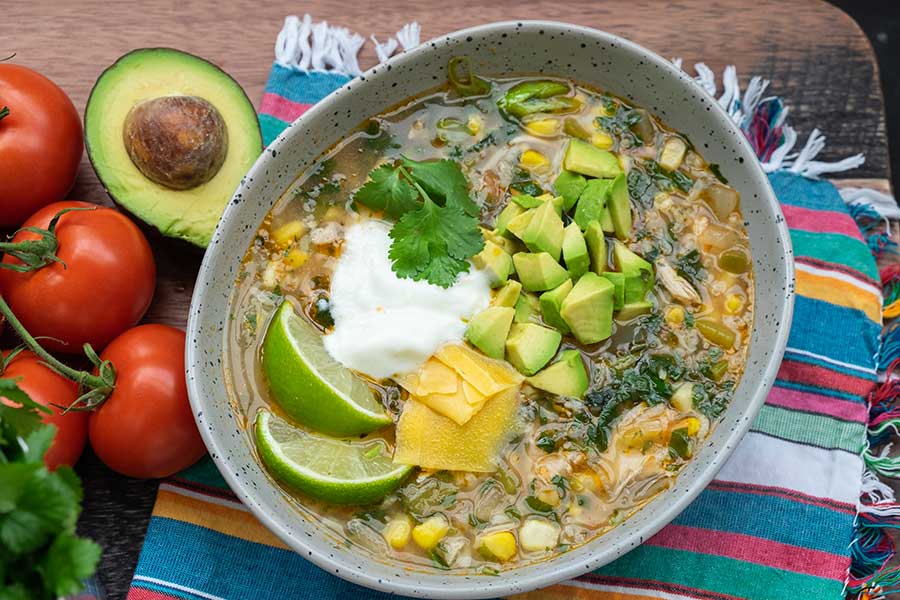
{"x":334,"y":470}
{"x":312,"y":387}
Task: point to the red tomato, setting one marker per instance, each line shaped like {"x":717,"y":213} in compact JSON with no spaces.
{"x":40,"y":143}
{"x":146,"y":428}
{"x":47,"y":387}
{"x":104,"y":287}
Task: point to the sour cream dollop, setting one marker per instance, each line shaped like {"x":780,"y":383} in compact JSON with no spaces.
{"x":384,"y":325}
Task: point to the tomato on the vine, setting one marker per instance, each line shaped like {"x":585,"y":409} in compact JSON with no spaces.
{"x":50,"y":389}
{"x":41,"y":142}
{"x":100,"y":283}
{"x":145,"y":428}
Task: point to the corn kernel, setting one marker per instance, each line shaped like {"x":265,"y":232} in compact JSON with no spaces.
{"x":538,"y":534}
{"x":473,"y":124}
{"x":397,"y":532}
{"x":543,"y":127}
{"x":428,"y":533}
{"x":692,"y":424}
{"x":532,"y":159}
{"x":295,"y":258}
{"x":734,"y":304}
{"x":602,"y":140}
{"x":548,"y":496}
{"x":289,"y":232}
{"x":674,"y":315}
{"x":499,"y":546}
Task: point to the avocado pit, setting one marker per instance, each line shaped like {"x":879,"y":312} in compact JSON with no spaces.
{"x":179,"y":142}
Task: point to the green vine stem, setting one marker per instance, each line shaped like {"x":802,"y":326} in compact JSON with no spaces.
{"x":95,"y":389}
{"x":4,"y":112}
{"x":35,"y":254}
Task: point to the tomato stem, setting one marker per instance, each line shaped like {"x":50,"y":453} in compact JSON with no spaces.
{"x":96,"y":388}
{"x":4,"y":112}
{"x":35,"y":254}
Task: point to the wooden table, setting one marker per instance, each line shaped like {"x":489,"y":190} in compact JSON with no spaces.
{"x":815,"y":56}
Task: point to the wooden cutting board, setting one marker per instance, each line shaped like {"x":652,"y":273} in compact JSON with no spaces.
{"x":815,"y":56}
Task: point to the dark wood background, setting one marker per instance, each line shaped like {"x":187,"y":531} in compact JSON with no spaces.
{"x":815,"y":56}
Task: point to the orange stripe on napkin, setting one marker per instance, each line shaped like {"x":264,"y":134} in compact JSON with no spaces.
{"x":236,"y":522}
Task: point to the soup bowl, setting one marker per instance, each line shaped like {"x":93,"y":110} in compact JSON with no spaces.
{"x":532,"y":47}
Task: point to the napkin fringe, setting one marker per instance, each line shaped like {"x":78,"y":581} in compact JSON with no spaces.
{"x":320,"y":47}
{"x":763,"y":121}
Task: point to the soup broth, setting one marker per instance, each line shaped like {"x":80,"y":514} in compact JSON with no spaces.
{"x":571,"y":465}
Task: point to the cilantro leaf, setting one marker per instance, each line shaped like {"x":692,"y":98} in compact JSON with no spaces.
{"x":68,"y":561}
{"x":442,"y":180}
{"x":40,"y":556}
{"x":388,"y":192}
{"x":434,"y":243}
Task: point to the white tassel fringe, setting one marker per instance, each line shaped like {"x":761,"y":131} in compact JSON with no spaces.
{"x":321,"y":47}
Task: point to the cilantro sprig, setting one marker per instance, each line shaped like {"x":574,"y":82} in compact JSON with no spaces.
{"x":41,"y":558}
{"x":436,"y":232}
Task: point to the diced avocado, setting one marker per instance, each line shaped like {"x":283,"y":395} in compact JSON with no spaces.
{"x":582,"y":157}
{"x":518,"y":225}
{"x":545,"y":231}
{"x":620,"y":207}
{"x":530,"y":346}
{"x":596,"y":244}
{"x":509,"y":212}
{"x":495,"y":236}
{"x":494,"y":261}
{"x":592,"y":202}
{"x":551,"y":302}
{"x":634,"y":309}
{"x":526,"y":201}
{"x":575,"y":251}
{"x":559,"y":204}
{"x":618,"y":280}
{"x":566,"y":377}
{"x":538,"y":271}
{"x":508,"y":294}
{"x":588,"y":308}
{"x":488,"y":329}
{"x":569,"y":185}
{"x":637,"y":271}
{"x":528,"y":307}
{"x":606,"y":220}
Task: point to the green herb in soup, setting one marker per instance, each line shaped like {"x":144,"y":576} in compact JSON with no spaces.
{"x":491,"y":323}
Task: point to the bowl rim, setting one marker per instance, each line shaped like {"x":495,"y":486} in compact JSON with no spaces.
{"x":521,"y":581}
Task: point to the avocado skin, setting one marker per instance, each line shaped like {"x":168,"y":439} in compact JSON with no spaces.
{"x":177,"y":224}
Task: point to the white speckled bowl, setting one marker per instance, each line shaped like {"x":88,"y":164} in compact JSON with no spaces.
{"x":586,"y":55}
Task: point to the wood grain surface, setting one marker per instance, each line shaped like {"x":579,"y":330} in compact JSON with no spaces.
{"x":815,"y":56}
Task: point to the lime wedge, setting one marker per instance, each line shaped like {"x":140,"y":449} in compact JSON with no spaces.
{"x":312,"y":387}
{"x":330,"y":469}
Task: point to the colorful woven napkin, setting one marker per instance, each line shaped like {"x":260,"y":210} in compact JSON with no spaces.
{"x":779,"y":521}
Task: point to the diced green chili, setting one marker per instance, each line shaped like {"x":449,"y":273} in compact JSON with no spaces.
{"x":734,"y":261}
{"x":716,"y":332}
{"x":718,"y":370}
{"x":537,"y":505}
{"x":680,"y":443}
{"x":463,"y":80}
{"x":533,"y":97}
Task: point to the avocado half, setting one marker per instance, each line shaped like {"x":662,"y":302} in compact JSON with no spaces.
{"x":142,"y":78}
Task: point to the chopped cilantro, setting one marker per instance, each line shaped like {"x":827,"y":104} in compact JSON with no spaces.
{"x":620,"y":122}
{"x":690,"y":266}
{"x":40,"y":555}
{"x":387,"y":191}
{"x":437,"y":228}
{"x":714,"y":168}
{"x":546,"y":442}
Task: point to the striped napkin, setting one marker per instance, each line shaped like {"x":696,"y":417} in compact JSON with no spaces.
{"x":781,"y":518}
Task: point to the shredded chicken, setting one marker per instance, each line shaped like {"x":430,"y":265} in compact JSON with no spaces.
{"x":677,"y":285}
